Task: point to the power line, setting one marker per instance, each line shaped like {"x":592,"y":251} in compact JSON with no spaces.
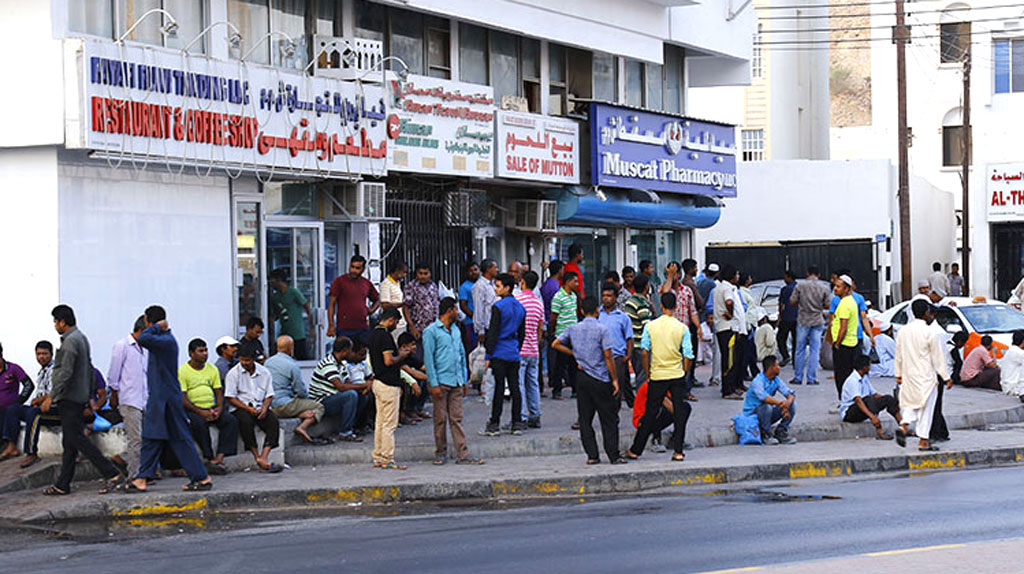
{"x":872,"y":15}
{"x":876,"y":27}
{"x":874,"y":39}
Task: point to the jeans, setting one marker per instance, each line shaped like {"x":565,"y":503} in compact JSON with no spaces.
{"x":767,"y":415}
{"x":506,"y":373}
{"x":343,"y":406}
{"x":808,"y":337}
{"x":596,"y":396}
{"x":529,"y":386}
{"x":13,"y":417}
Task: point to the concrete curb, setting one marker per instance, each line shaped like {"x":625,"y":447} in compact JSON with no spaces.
{"x":627,"y":480}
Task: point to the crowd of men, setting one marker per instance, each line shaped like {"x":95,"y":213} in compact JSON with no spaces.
{"x":634,"y":343}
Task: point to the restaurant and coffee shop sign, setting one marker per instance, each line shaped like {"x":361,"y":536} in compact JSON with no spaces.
{"x":167,"y":106}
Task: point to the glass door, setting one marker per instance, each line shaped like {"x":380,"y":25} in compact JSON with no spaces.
{"x":295,"y":286}
{"x":248,"y":262}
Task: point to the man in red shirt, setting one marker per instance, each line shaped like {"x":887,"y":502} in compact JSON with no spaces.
{"x":664,"y":419}
{"x":347,"y":311}
{"x":573,"y":266}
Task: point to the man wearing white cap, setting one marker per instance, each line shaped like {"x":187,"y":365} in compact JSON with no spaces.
{"x":844,"y":332}
{"x":225,"y":348}
{"x":764,"y":337}
{"x":885,"y":347}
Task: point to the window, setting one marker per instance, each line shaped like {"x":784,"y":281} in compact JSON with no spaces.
{"x":530,"y":53}
{"x":674,"y":94}
{"x":421,"y":42}
{"x":1009,"y":65}
{"x":252,"y":18}
{"x":326,"y":15}
{"x":94,"y":17}
{"x":653,"y":87}
{"x":753,"y":145}
{"x":756,"y":61}
{"x":111,"y":18}
{"x":256,"y":18}
{"x":634,"y":83}
{"x":371,"y":20}
{"x":406,"y":41}
{"x":504,"y":64}
{"x":955,"y":40}
{"x":953,"y":139}
{"x":439,"y":56}
{"x":606,"y":77}
{"x":472,"y":54}
{"x":557,"y":64}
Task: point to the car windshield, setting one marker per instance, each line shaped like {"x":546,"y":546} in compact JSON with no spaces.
{"x":993,"y":318}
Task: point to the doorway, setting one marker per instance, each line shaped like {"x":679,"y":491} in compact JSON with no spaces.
{"x":294,"y":251}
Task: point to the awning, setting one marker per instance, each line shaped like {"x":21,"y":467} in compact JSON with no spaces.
{"x":579,"y":206}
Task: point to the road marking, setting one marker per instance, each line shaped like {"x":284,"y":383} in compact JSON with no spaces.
{"x":732,"y":570}
{"x":914,"y":550}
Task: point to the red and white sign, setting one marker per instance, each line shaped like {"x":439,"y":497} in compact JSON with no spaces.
{"x":1004,"y":186}
{"x":538,"y":148}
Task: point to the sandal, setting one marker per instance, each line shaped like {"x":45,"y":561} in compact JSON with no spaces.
{"x":196,"y":486}
{"x":113,"y":484}
{"x":593,"y":461}
{"x":883,"y":436}
{"x":274,"y":468}
{"x":440,"y":460}
{"x":678,"y":457}
{"x":129,"y":487}
{"x":29,"y":462}
{"x":350,"y":438}
{"x":620,"y":460}
{"x":468,"y":460}
{"x":392,"y":466}
{"x":691,"y":398}
{"x":929,"y":448}
{"x":9,"y":456}
{"x":901,"y":437}
{"x":53,"y":490}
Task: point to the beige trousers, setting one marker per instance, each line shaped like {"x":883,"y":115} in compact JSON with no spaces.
{"x":388,"y":399}
{"x":296,"y":407}
{"x":448,"y":412}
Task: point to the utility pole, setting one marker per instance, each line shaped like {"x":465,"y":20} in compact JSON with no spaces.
{"x":901,"y":35}
{"x":964,"y":176}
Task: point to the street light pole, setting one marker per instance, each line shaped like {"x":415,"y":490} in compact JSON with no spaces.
{"x":965,"y":174}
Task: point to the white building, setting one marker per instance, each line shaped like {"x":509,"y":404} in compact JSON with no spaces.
{"x":204,"y":188}
{"x":942,"y":34}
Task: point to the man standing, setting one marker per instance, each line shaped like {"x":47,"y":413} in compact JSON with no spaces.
{"x":938,"y":280}
{"x":392,"y":295}
{"x":787,"y":317}
{"x":421,"y":300}
{"x":647,"y":268}
{"x":72,"y":384}
{"x":626,"y":291}
{"x":529,"y":367}
{"x":620,"y":328}
{"x":690,"y":280}
{"x":811,"y":298}
{"x":484,"y":297}
{"x":590,"y":343}
{"x":165,"y":424}
{"x":705,"y":285}
{"x":843,"y":332}
{"x":516,"y":270}
{"x":563,"y":315}
{"x":253,"y":331}
{"x":226,"y":349}
{"x":548,"y":290}
{"x":573,"y":266}
{"x":287,"y":304}
{"x":331,"y":387}
{"x":386,"y":360}
{"x":956,"y":281}
{"x":761,"y":401}
{"x":730,"y":331}
{"x":290,"y":393}
{"x":250,"y":389}
{"x":445,"y":362}
{"x":347,"y":313}
{"x":920,"y":364}
{"x":667,"y":353}
{"x":638,"y":309}
{"x":505,"y":336}
{"x":126,"y":380}
{"x":466,"y":305}
{"x":203,"y":398}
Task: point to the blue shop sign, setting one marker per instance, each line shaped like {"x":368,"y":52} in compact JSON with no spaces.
{"x":645,"y":150}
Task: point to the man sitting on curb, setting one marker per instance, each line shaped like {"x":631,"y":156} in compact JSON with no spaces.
{"x":250,"y":390}
{"x":761,"y":401}
{"x":980,"y":369}
{"x":203,"y":398}
{"x":290,"y":398}
{"x":330,"y":386}
{"x":861,"y":402}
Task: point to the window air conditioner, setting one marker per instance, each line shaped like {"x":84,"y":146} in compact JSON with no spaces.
{"x":539,"y":216}
{"x":365,"y":199}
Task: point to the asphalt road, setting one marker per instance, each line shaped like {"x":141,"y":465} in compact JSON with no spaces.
{"x":658,"y":533}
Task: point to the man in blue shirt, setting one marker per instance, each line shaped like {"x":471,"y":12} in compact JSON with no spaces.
{"x":466,"y":303}
{"x":503,"y":341}
{"x":621,"y":328}
{"x":705,"y":285}
{"x":444,"y":359}
{"x":761,"y":401}
{"x":860,"y":401}
{"x":591,"y":344}
{"x":787,"y":318}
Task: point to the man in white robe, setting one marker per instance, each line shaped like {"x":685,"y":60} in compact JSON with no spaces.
{"x":885,"y":346}
{"x":1012,"y":366}
{"x":919,"y":365}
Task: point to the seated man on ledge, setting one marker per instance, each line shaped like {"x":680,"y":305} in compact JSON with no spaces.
{"x":980,"y":369}
{"x":860,"y":401}
{"x":761,"y":401}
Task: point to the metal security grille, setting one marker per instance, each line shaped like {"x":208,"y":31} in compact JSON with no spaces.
{"x":422,"y":236}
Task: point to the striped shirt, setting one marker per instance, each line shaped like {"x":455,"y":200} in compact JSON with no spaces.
{"x":638,"y":308}
{"x":320,"y":386}
{"x":534,"y":319}
{"x":564,"y":304}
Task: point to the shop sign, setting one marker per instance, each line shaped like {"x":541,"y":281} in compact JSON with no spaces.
{"x":444,"y":127}
{"x":538,"y":148}
{"x":647,"y":150}
{"x":165,"y":105}
{"x":1005,"y":192}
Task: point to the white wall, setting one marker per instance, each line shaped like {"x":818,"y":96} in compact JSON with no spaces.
{"x":32,"y":101}
{"x":129,"y":240}
{"x":932,"y":224}
{"x":28,"y":202}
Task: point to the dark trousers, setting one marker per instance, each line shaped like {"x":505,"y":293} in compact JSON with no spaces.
{"x":594,"y":396}
{"x":13,"y":416}
{"x":227,"y":440}
{"x":732,"y":361}
{"x":73,"y":438}
{"x":564,"y":374}
{"x":842,"y":361}
{"x":749,"y":356}
{"x":939,"y":429}
{"x":301,"y":349}
{"x":656,"y":391}
{"x":247,"y":424}
{"x":691,"y":373}
{"x":638,"y":367}
{"x":986,"y":379}
{"x":887,"y":403}
{"x":506,"y":373}
{"x":625,"y":389}
{"x":178,"y":440}
{"x":787,"y":331}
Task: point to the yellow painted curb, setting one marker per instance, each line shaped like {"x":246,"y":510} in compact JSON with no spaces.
{"x":545,"y":487}
{"x":155,"y":509}
{"x":717,"y":477}
{"x":938,"y":461}
{"x":818,"y":469}
{"x":364,"y":494}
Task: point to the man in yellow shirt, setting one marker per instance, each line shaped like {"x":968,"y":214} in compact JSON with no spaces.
{"x":204,"y":404}
{"x":844,"y":332}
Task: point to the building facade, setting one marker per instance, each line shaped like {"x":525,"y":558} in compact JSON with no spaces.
{"x":179,"y":151}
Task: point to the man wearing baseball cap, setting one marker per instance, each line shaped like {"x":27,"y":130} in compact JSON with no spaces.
{"x":844,"y":331}
{"x":225,"y":348}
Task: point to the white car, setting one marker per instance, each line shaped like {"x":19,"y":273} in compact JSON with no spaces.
{"x":976,"y":316}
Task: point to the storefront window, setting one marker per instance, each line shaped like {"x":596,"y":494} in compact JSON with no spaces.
{"x":472,"y":54}
{"x":657,"y":246}
{"x":598,"y":254}
{"x":293,"y":251}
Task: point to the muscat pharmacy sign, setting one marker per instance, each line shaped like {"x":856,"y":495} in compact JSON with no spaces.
{"x":646,"y":150}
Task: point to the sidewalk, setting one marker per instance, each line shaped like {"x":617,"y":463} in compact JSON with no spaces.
{"x":346,"y":485}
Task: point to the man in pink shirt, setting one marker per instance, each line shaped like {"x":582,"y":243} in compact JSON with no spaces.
{"x":529,"y":384}
{"x":980,"y":370}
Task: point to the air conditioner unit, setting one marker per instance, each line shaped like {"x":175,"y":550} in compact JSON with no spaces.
{"x":537,"y":215}
{"x":458,"y":209}
{"x":365,"y":199}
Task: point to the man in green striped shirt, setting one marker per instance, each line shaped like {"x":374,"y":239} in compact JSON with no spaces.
{"x":564,"y":307}
{"x":330,"y":386}
{"x":638,"y":308}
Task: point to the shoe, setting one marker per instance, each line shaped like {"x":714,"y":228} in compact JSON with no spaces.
{"x":687,"y":446}
{"x":783,"y":438}
{"x":490,"y":430}
{"x":698,"y":385}
{"x":714,"y":383}
{"x":518,"y":428}
{"x":737,"y":396}
{"x":796,"y":382}
{"x":575,"y":426}
{"x":783,"y":363}
{"x":506,"y":427}
{"x":834,"y":410}
{"x":533,"y":423}
{"x":656,"y":445}
{"x":813,"y":383}
{"x":770,"y":441}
